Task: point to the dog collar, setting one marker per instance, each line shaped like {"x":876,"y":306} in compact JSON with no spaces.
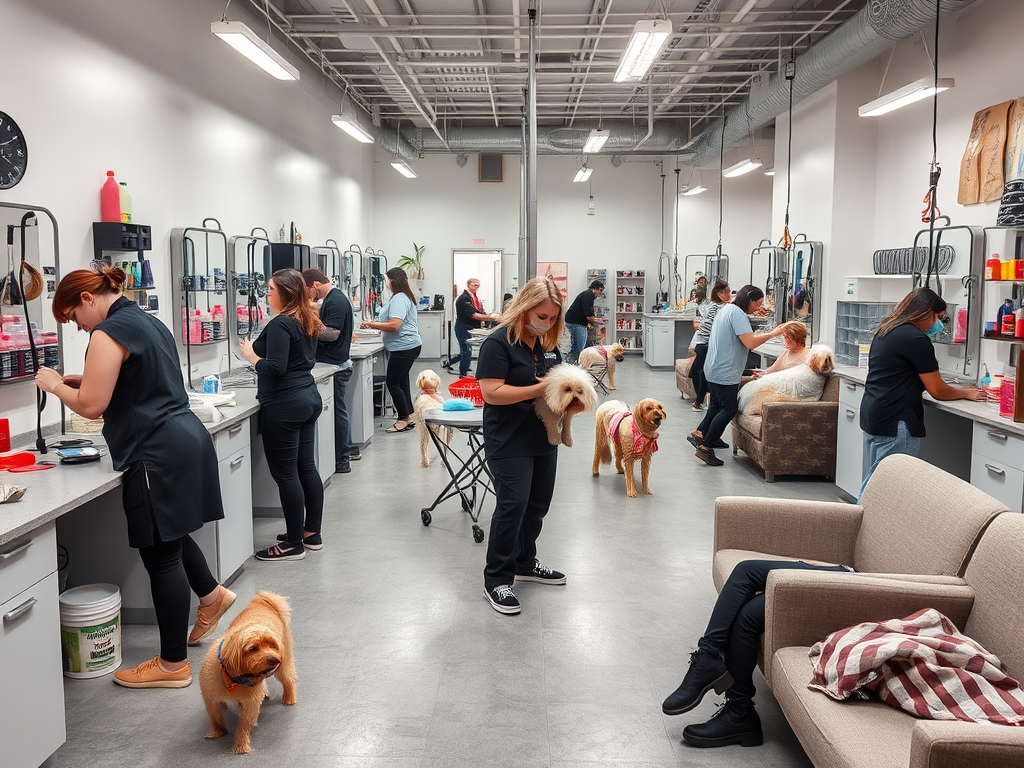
{"x":641,"y":442}
{"x":232,"y":682}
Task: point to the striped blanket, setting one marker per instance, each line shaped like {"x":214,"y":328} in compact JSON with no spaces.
{"x":920,"y":664}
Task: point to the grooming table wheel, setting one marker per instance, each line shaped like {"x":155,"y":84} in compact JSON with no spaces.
{"x":425,"y":516}
{"x":478,"y":534}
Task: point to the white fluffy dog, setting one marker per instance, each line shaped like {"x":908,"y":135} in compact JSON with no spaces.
{"x":429,"y":399}
{"x":801,"y":382}
{"x":609,"y":355}
{"x":569,"y":391}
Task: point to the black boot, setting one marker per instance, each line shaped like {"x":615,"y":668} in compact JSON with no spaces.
{"x":707,"y":671}
{"x":735,"y":723}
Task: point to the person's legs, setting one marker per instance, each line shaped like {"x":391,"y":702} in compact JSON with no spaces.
{"x":877,"y":447}
{"x":280,"y":429}
{"x":404,"y":382}
{"x":399,"y":364}
{"x":465,"y":351}
{"x":343,"y":447}
{"x":577,"y":339}
{"x":214,"y":600}
{"x":727,"y":397}
{"x":714,"y":406}
{"x":513,"y":479}
{"x":700,"y":384}
{"x":541,"y":489}
{"x":172,"y":599}
{"x":309,"y":478}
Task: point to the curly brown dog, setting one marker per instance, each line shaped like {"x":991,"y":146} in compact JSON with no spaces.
{"x":635,"y":436}
{"x":256,"y":645}
{"x":610,"y":356}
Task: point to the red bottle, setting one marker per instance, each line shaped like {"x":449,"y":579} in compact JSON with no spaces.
{"x":110,"y":199}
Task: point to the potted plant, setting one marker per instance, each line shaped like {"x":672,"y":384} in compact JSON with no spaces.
{"x":413,"y":265}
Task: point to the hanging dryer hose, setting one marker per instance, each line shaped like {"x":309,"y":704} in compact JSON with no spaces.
{"x":786,"y":241}
{"x":34,"y":292}
{"x":931,"y":198}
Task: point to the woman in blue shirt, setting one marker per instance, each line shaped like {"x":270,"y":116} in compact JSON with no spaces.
{"x":401,"y":336}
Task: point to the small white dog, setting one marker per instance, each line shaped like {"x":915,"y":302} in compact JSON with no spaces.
{"x":609,"y":355}
{"x":569,"y":391}
{"x":429,"y":399}
{"x":801,"y":382}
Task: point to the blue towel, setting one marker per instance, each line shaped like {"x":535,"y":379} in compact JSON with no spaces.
{"x":458,"y":404}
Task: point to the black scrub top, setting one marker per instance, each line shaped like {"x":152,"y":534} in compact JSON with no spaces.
{"x":171,"y":484}
{"x":582,"y":307}
{"x":287,"y":359}
{"x":892,"y":392}
{"x":514,"y":430}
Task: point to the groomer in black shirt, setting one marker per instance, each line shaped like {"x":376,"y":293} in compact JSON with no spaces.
{"x":578,"y":315}
{"x":513,"y":362}
{"x":334,"y":347}
{"x":901,"y":366}
{"x":469,"y":315}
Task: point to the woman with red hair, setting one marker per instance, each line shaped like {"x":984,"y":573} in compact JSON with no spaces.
{"x":170,"y":485}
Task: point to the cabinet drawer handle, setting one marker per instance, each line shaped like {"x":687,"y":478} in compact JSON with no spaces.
{"x":998,"y":435}
{"x":24,"y":607}
{"x":850,"y":414}
{"x":994,"y":470}
{"x":236,"y":429}
{"x":237,"y":461}
{"x":16,"y":550}
{"x":852,"y":387}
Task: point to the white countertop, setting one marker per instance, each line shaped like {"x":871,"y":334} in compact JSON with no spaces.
{"x":669,"y":317}
{"x":363,"y":349}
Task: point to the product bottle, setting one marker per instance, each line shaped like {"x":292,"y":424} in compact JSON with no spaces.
{"x":1004,"y":310}
{"x":110,"y":199}
{"x":126,"y":204}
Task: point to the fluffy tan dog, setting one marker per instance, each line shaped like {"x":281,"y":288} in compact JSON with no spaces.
{"x":803,"y":382}
{"x":256,"y":645}
{"x":569,"y":391}
{"x":428,"y":399}
{"x":634,"y":435}
{"x":610,"y":355}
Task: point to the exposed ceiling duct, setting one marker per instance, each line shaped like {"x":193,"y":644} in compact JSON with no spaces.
{"x":865,"y":36}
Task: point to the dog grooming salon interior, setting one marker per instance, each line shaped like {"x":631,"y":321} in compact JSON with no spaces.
{"x":768,"y":254}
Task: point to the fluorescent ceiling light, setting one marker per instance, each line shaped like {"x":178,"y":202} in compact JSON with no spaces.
{"x":695,"y":190}
{"x":404,"y":169}
{"x":908,"y":94}
{"x":583,"y":173}
{"x":645,"y":46}
{"x":595,"y":141}
{"x":770,"y":172}
{"x":258,"y":51}
{"x":348,"y":124}
{"x":743,"y":166}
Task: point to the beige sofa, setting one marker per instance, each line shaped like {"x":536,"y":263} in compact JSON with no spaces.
{"x":683,"y":381}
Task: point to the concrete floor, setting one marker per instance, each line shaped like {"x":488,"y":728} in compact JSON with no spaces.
{"x":403,"y":664}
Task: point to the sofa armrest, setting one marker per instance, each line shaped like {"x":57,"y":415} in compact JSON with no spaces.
{"x":943,"y":744}
{"x":781,"y":420}
{"x":815,"y":530}
{"x":803,"y":607}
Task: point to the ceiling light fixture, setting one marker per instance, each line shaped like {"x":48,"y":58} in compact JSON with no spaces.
{"x":596,"y":140}
{"x":349,"y":125}
{"x":246,"y":42}
{"x":770,"y":172}
{"x":745,"y":165}
{"x":404,"y":169}
{"x":695,"y":190}
{"x":645,"y":45}
{"x":908,"y":94}
{"x":583,"y":173}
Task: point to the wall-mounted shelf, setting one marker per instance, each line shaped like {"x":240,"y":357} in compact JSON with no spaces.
{"x":121,"y":239}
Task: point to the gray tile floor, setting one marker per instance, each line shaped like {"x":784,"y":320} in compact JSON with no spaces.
{"x":403,"y":664}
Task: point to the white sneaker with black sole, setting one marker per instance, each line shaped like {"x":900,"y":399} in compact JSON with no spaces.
{"x":503,"y":599}
{"x":542,"y":575}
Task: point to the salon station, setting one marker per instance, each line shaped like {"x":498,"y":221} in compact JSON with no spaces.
{"x":836,"y":155}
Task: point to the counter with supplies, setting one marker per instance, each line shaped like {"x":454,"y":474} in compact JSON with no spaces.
{"x":666,"y":338}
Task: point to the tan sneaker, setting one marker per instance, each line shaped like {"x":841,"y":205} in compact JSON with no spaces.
{"x":207,"y":616}
{"x":149,"y":674}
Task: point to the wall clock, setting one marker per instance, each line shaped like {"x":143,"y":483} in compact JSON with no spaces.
{"x":13,"y":152}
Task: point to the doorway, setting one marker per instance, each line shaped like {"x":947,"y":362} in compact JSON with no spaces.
{"x":485,"y":266}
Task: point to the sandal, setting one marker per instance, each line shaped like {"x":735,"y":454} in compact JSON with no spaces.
{"x":277,"y":553}
{"x":395,"y":428}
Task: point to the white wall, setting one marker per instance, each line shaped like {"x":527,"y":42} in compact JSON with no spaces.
{"x":145,"y":89}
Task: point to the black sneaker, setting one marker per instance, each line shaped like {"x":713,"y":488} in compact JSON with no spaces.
{"x":295,"y":552}
{"x":734,"y":723}
{"x":503,"y":599}
{"x":708,"y":457}
{"x":342,"y":468}
{"x":313,"y":542}
{"x":542,"y":575}
{"x":719,"y":444}
{"x":707,"y":671}
{"x":693,"y":440}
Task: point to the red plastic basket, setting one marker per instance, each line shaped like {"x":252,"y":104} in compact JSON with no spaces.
{"x":469,"y":388}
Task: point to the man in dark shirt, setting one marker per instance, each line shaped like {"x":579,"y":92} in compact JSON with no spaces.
{"x":469,"y":314}
{"x":578,"y":315}
{"x":334,"y":347}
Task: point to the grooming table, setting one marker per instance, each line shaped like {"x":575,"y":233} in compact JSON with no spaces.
{"x":470,"y":479}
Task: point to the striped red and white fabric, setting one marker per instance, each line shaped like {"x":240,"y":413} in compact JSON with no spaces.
{"x":920,"y":664}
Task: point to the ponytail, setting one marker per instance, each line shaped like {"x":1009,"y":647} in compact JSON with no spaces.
{"x":100,"y":280}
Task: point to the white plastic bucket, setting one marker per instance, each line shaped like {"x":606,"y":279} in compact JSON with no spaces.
{"x":90,"y":630}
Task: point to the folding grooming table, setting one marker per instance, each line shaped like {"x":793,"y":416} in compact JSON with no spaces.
{"x":470,"y":479}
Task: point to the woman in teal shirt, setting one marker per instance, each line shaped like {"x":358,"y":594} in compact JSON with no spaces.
{"x":401,"y":336}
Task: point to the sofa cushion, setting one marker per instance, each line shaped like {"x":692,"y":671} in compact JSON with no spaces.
{"x":902,"y":530}
{"x":751,"y":424}
{"x":849,"y":734}
{"x":831,"y":392}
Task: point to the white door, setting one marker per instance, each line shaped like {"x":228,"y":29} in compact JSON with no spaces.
{"x":485,"y":266}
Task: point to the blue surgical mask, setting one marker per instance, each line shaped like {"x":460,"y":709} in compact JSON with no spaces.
{"x":936,"y":329}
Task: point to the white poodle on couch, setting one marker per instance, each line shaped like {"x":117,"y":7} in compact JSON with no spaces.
{"x":802,"y":382}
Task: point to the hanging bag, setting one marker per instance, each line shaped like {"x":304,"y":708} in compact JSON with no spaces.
{"x":10,"y":293}
{"x":1011,"y":204}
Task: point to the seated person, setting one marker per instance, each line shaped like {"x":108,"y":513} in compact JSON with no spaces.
{"x":795,"y":338}
{"x":726,"y":656}
{"x":804,"y":382}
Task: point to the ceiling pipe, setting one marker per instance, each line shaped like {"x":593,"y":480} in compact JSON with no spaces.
{"x":650,"y":118}
{"x":862,"y":38}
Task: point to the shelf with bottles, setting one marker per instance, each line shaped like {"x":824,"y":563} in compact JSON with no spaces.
{"x":16,"y":360}
{"x":112,"y":241}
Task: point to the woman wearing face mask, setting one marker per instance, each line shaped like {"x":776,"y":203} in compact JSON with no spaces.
{"x":401,"y":336}
{"x":513,"y":362}
{"x":901,"y":366}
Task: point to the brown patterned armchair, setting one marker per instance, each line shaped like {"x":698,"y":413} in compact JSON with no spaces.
{"x":792,"y":438}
